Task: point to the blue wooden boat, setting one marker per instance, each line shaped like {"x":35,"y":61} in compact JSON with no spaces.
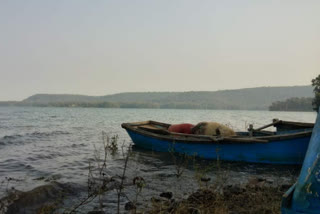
{"x":304,"y":196}
{"x":287,"y":145}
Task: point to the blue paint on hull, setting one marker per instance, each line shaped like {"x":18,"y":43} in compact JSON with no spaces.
{"x":290,"y":151}
{"x":304,"y":196}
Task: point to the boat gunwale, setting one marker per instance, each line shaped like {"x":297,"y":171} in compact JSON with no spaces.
{"x":302,"y":124}
{"x":205,"y":139}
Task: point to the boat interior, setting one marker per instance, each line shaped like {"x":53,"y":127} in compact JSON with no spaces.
{"x":284,"y":129}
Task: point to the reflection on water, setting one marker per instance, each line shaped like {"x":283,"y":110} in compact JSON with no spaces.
{"x":59,"y":142}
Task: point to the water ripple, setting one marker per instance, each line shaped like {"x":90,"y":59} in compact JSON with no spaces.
{"x":18,"y":139}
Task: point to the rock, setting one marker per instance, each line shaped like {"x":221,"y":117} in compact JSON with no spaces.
{"x":39,"y":178}
{"x":233,"y":189}
{"x":167,"y":195}
{"x":193,"y":210}
{"x":285,"y":187}
{"x":205,"y":179}
{"x":270,"y":181}
{"x":42,"y":199}
{"x":256,"y":182}
{"x":129,"y":206}
{"x":96,"y":212}
{"x":201,"y":196}
{"x":156,"y":200}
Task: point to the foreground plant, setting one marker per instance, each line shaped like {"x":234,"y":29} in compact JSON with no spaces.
{"x":98,"y":181}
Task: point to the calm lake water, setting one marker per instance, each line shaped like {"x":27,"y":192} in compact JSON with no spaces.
{"x":57,"y":144}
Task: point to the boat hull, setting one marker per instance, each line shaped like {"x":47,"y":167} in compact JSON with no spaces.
{"x":283,"y":151}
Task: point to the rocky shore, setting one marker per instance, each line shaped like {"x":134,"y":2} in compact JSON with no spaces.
{"x":259,"y":195}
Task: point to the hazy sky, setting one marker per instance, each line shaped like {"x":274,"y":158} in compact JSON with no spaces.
{"x":99,"y":47}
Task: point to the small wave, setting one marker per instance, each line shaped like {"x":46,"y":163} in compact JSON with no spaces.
{"x":78,"y":128}
{"x":47,"y":156}
{"x":15,"y":142}
{"x":17,"y":139}
{"x":16,"y":136}
{"x":46,"y":134}
{"x":26,"y":126}
{"x":15,"y":165}
{"x":78,"y":145}
{"x":11,"y":137}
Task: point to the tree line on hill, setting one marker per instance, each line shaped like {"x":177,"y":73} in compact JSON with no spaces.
{"x":302,"y":103}
{"x":293,"y":104}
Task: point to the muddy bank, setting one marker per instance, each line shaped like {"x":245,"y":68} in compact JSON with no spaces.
{"x":257,"y":196}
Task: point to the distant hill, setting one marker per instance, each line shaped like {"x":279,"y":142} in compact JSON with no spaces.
{"x":243,"y":99}
{"x":53,"y":98}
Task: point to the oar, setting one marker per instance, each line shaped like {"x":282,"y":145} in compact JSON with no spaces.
{"x":274,"y":122}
